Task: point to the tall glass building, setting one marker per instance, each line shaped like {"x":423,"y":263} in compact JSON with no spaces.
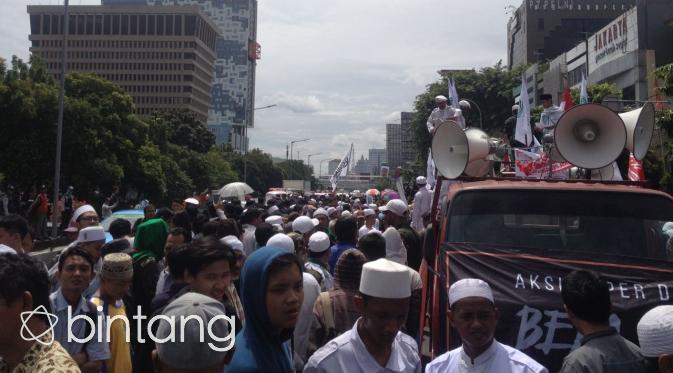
{"x":233,"y":88}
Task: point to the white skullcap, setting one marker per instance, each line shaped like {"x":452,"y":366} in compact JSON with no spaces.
{"x":193,"y":201}
{"x":385,"y":279}
{"x":4,"y":249}
{"x":330,"y":211}
{"x":655,"y":332}
{"x":274,"y":220}
{"x":396,"y":206}
{"x":346,"y":214}
{"x":515,"y":107}
{"x":369,"y":212}
{"x":91,"y":234}
{"x":464,"y":103}
{"x":421,"y":180}
{"x":373,"y":206}
{"x":281,"y":241}
{"x":320,"y":211}
{"x":318,"y":242}
{"x":469,"y":287}
{"x":81,"y":210}
{"x":441,"y":98}
{"x":303,"y":224}
{"x":272,"y":210}
{"x":233,"y":242}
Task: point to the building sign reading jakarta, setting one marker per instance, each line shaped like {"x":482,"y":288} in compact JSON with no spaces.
{"x":615,"y":40}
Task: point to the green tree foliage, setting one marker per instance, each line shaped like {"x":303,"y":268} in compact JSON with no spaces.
{"x":258,"y":168}
{"x":490,"y":88}
{"x":597,"y":92}
{"x":665,"y":74}
{"x":104,"y":143}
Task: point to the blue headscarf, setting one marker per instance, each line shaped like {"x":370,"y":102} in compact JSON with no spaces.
{"x":260,"y":347}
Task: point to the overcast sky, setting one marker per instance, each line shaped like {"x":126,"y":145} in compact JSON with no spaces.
{"x":340,"y":70}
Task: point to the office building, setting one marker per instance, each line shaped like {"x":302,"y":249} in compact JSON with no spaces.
{"x":408,"y":146}
{"x":377,"y":158}
{"x":540,"y":30}
{"x":394,"y":144}
{"x":233,"y":92}
{"x":162,"y":57}
{"x":625,"y":53}
{"x":332,"y":166}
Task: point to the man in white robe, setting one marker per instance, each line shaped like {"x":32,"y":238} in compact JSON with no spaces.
{"x":474,"y":315}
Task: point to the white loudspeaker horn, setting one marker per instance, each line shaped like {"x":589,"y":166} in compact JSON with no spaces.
{"x":590,"y":136}
{"x":453,"y":148}
{"x":639,"y":128}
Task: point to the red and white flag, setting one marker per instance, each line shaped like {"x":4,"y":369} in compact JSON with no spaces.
{"x":636,"y":171}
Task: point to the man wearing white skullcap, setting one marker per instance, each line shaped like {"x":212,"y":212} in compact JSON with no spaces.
{"x":395,"y":214}
{"x":318,"y":258}
{"x":375,"y":343}
{"x":655,"y":334}
{"x":422,"y":204}
{"x":474,"y":315}
{"x":370,"y":220}
{"x":442,"y":113}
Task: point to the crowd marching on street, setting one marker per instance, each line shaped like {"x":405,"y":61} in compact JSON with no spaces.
{"x":315,"y":285}
{"x":323,"y":284}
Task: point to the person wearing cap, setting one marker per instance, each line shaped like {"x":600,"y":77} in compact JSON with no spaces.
{"x":318,"y":258}
{"x":199,"y":338}
{"x":655,"y":334}
{"x":231,"y":294}
{"x":29,"y":291}
{"x":84,"y":216}
{"x":305,"y":226}
{"x":334,"y":312}
{"x":395,"y":214}
{"x":276,"y":221}
{"x":116,"y":277}
{"x":370,"y":220}
{"x":75,"y":271}
{"x":375,"y":342}
{"x":550,"y":115}
{"x":586,"y":299}
{"x":442,"y":113}
{"x":272,"y":294}
{"x":422,"y":204}
{"x":92,"y":240}
{"x":473,"y":314}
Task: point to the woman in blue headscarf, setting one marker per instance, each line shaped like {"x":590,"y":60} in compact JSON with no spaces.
{"x":272,"y":294}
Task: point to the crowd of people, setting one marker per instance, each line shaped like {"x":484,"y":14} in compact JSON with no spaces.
{"x":314,"y":285}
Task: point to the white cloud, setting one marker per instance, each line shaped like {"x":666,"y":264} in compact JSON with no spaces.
{"x":340,"y":70}
{"x":297,"y":104}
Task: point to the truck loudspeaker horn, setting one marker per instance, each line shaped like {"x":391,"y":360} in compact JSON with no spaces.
{"x":453,"y":149}
{"x":590,"y":136}
{"x":639,"y":128}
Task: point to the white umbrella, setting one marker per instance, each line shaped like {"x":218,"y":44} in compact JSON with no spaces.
{"x":237,"y":189}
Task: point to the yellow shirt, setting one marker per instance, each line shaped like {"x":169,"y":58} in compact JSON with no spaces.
{"x":120,"y":350}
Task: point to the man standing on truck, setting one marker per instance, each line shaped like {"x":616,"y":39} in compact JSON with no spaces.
{"x":473,"y":313}
{"x":586,"y":298}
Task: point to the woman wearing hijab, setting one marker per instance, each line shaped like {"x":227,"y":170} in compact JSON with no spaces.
{"x":272,"y":294}
{"x":149,"y":245}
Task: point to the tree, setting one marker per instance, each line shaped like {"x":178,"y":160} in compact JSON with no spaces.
{"x":597,"y":92}
{"x":665,"y":73}
{"x":182,"y":128}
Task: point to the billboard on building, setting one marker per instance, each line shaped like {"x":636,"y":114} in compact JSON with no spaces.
{"x":617,"y":39}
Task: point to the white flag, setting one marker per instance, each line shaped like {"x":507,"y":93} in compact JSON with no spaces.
{"x":453,"y":94}
{"x":342,"y":169}
{"x":523,"y":133}
{"x":584,"y":96}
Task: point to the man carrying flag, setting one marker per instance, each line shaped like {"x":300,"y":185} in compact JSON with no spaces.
{"x":549,"y":116}
{"x":584,"y":96}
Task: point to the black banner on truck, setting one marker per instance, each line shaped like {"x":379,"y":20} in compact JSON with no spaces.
{"x":527,"y":290}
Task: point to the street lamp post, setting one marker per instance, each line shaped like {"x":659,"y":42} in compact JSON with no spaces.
{"x":59,"y":128}
{"x":308,"y":159}
{"x":292,"y":146}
